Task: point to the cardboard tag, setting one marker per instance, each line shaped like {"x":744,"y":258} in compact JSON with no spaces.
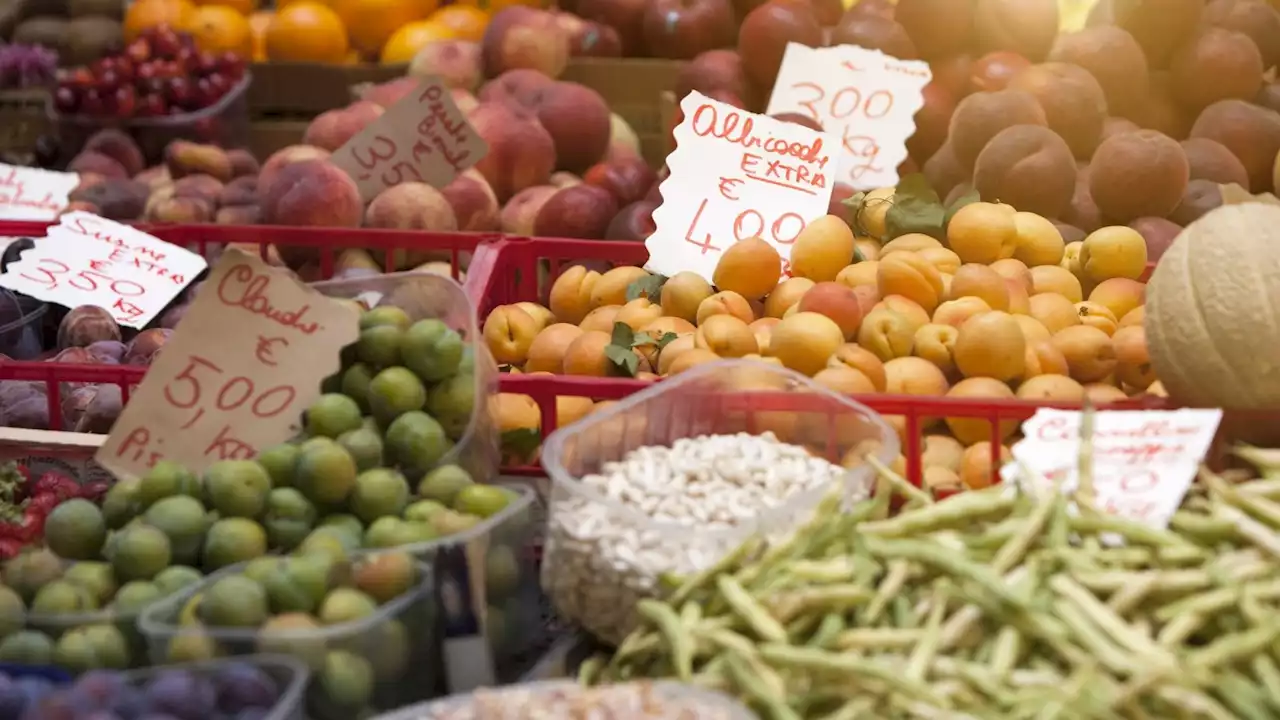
{"x":423,"y":138}
{"x":735,"y":175}
{"x":236,"y":376}
{"x":864,"y":97}
{"x":34,"y":194}
{"x":88,"y":260}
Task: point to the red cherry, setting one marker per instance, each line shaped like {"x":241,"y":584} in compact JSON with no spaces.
{"x":126,"y":101}
{"x":91,"y":103}
{"x":178,"y":92}
{"x":206,"y":63}
{"x":109,"y":79}
{"x":220,"y":83}
{"x":139,"y":50}
{"x":206,"y":93}
{"x":65,"y":100}
{"x":146,"y":71}
{"x":152,"y":105}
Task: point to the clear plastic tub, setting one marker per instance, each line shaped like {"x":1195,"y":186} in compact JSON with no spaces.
{"x":398,"y":641}
{"x":55,"y":626}
{"x":225,"y":124}
{"x":694,"y":703}
{"x":290,"y":674}
{"x":424,"y":295}
{"x":20,"y":324}
{"x":603,"y":556}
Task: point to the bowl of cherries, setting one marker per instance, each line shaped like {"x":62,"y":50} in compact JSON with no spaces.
{"x":161,"y":87}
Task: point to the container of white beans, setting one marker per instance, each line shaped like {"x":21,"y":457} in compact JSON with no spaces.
{"x":567,"y":700}
{"x":671,"y":479}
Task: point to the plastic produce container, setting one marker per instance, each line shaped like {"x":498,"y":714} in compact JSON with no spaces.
{"x":55,"y":626}
{"x":20,"y":323}
{"x":225,"y":124}
{"x":290,"y":674}
{"x":424,"y":295}
{"x":398,"y":641}
{"x":602,"y":556}
{"x":695,"y":703}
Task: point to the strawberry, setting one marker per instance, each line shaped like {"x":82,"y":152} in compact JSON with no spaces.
{"x":57,"y":483}
{"x":10,"y":547}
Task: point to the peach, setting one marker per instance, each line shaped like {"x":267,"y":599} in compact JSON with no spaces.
{"x":1044,"y":359}
{"x":983,"y":232}
{"x":546,"y":352}
{"x":600,"y":319}
{"x":935,"y":343}
{"x":1113,"y":57}
{"x":1133,"y":362}
{"x":165,"y":208}
{"x":1053,"y":311}
{"x":586,"y":356}
{"x":287,"y":156}
{"x":955,"y":312}
{"x":332,"y":129}
{"x":836,"y":302}
{"x":392,"y":91}
{"x":822,"y":249}
{"x":981,"y":282}
{"x":508,"y":333}
{"x":1056,"y":279}
{"x":1134,"y":317}
{"x":1250,"y":132}
{"x":570,"y":298}
{"x":117,"y":145}
{"x":991,"y":345}
{"x":577,"y":211}
{"x":1138,"y":174}
{"x":1051,"y":388}
{"x":970,"y":430}
{"x":977,"y":471}
{"x":455,"y":62}
{"x":844,"y":380}
{"x":611,"y":288}
{"x":1211,"y":160}
{"x":236,"y":215}
{"x":1039,"y":242}
{"x":725,"y":302}
{"x":1095,"y":315}
{"x":749,"y":267}
{"x":863,"y":273}
{"x":519,"y":37}
{"x":909,"y":275}
{"x":691,"y":359}
{"x":1200,"y":198}
{"x":521,"y":211}
{"x":475,"y":207}
{"x":887,"y":334}
{"x":188,"y":158}
{"x":312,"y":193}
{"x":983,"y":115}
{"x":638,"y":313}
{"x":521,"y":152}
{"x":726,"y":336}
{"x":682,"y":294}
{"x":786,"y":294}
{"x":911,"y":242}
{"x":578,"y":121}
{"x":864,"y":361}
{"x":1113,"y":252}
{"x":1028,"y":166}
{"x":1216,"y":64}
{"x":672,"y":351}
{"x":1089,"y":351}
{"x":765,"y":33}
{"x":1074,"y":103}
{"x":411,"y":206}
{"x":805,"y":341}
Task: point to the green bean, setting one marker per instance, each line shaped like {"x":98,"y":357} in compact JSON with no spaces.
{"x":926,"y":553}
{"x":877,"y":638}
{"x":1130,"y":530}
{"x":1095,"y":641}
{"x":828,"y":630}
{"x":958,"y":510}
{"x":888,"y":589}
{"x":700,"y":579}
{"x":677,"y":638}
{"x":1240,"y":696}
{"x":1194,"y":703}
{"x":1207,"y":530}
{"x":1255,"y":532}
{"x":1268,"y":674}
{"x":787,"y":605}
{"x":1012,"y":552}
{"x":757,"y":687}
{"x":1107,"y":621}
{"x":746,"y":608}
{"x":922,"y":654}
{"x":899,"y":483}
{"x":1230,"y":649}
{"x":1261,"y":488}
{"x":785,"y":656}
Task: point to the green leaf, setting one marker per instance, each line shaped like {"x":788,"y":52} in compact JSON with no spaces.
{"x":666,"y":339}
{"x":969,"y":197}
{"x":624,"y":359}
{"x":521,"y":442}
{"x":622,"y":335}
{"x":916,"y":186}
{"x":649,"y":286}
{"x":856,"y":203}
{"x":916,"y":209}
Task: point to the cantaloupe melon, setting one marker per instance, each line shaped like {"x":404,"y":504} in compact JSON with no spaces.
{"x":1213,"y":310}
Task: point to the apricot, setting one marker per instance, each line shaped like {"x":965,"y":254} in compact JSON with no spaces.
{"x":638,"y":313}
{"x":1071,"y":257}
{"x":1098,"y":316}
{"x":1051,"y":388}
{"x":763,"y":330}
{"x":1013,"y":269}
{"x":887,"y":334}
{"x":508,"y":333}
{"x":868,"y":297}
{"x":1104,"y":394}
{"x":1113,"y":252}
{"x":1138,"y":174}
{"x":870,"y":218}
{"x":667,"y":324}
{"x":611,"y":288}
{"x":1133,"y":363}
{"x":600,"y":319}
{"x":1039,"y":241}
{"x":941,"y":451}
{"x":804,"y":341}
{"x":691,"y":359}
{"x":969,"y":430}
{"x":914,"y":376}
{"x":863,"y":273}
{"x":1056,"y":279}
{"x":915,"y":314}
{"x":786,"y":294}
{"x":844,"y":380}
{"x":935,"y":343}
{"x":1134,"y":317}
{"x":1089,"y":352}
{"x":585,"y":355}
{"x":571,"y":294}
{"x":983,"y":233}
{"x":822,"y":249}
{"x":1019,"y":300}
{"x":726,"y":336}
{"x":980,"y":281}
{"x":749,"y":267}
{"x":1119,"y":295}
{"x":981,"y":116}
{"x":955,"y":312}
{"x":1032,"y":329}
{"x":1028,"y":166}
{"x":991,"y":345}
{"x":909,"y":275}
{"x":860,"y":359}
{"x":943,"y":260}
{"x":938,"y":479}
{"x":547,"y":351}
{"x":911,"y":242}
{"x":1044,"y":359}
{"x":836,"y":302}
{"x":672,"y":351}
{"x":1053,"y":311}
{"x":541,"y":315}
{"x":866,"y":249}
{"x":682,"y":293}
{"x":977,"y":471}
{"x":725,"y":302}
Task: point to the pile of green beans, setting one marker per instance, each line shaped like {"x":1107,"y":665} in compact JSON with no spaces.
{"x":987,"y":605}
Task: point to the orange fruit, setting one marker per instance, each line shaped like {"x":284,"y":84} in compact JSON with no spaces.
{"x":307,"y":32}
{"x":408,"y":40}
{"x":493,"y":6}
{"x":258,"y":24}
{"x":244,"y":7}
{"x":372,"y":23}
{"x":466,"y":21}
{"x":144,"y":14}
{"x":219,"y":28}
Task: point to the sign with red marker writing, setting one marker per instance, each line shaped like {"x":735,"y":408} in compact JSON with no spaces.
{"x":236,"y":375}
{"x":736,"y":175}
{"x":34,"y":194}
{"x":866,"y":98}
{"x":423,"y":138}
{"x":88,"y":260}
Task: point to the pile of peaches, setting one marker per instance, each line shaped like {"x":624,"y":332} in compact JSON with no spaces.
{"x":996,"y":306}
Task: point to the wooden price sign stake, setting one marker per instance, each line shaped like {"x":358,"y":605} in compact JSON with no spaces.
{"x":736,"y":175}
{"x":236,"y":376}
{"x":865,"y":97}
{"x":423,"y":138}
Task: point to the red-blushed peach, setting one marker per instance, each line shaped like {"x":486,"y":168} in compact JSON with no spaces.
{"x":993,"y":71}
{"x":1026,"y":27}
{"x":311,"y":193}
{"x":711,"y":71}
{"x":238,"y":215}
{"x":577,"y":119}
{"x":765,"y":33}
{"x":940,"y":28}
{"x":455,"y":62}
{"x":1159,"y":26}
{"x":680,"y":29}
{"x":201,"y":186}
{"x":520,"y":86}
{"x":1250,"y":132}
{"x":521,"y":152}
{"x":1113,"y":57}
{"x":623,"y":141}
{"x":411,"y":206}
{"x":580,"y":211}
{"x":944,"y":172}
{"x":153,"y":177}
{"x":287,"y":156}
{"x":836,"y":302}
{"x":117,"y":145}
{"x":1073,"y":103}
{"x":96,"y":162}
{"x":520,"y":212}
{"x":1138,"y":174}
{"x":563,"y":179}
{"x":874,"y":33}
{"x":190,"y":158}
{"x":331,"y":130}
{"x":1216,"y":64}
{"x":933,"y":120}
{"x":981,"y":116}
{"x":633,"y":222}
{"x":392,"y":91}
{"x":122,"y":200}
{"x":1211,"y":160}
{"x":473,"y":202}
{"x":522,"y":37}
{"x":628,"y":179}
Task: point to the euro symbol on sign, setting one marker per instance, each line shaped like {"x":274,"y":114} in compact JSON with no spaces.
{"x":726,"y":184}
{"x":266,"y":346}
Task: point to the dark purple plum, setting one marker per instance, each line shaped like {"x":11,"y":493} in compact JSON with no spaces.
{"x":86,"y":325}
{"x":182,"y":694}
{"x":24,"y":405}
{"x":54,"y":706}
{"x":97,"y":690}
{"x":108,"y":352}
{"x":242,"y":686}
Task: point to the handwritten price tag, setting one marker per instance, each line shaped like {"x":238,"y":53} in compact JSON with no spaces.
{"x":236,"y":376}
{"x":34,"y":194}
{"x":88,"y":260}
{"x":866,"y":98}
{"x":736,"y":175}
{"x":423,"y":138}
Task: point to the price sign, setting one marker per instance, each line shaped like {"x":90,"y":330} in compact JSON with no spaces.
{"x":34,"y":194}
{"x":866,"y":98}
{"x":423,"y":138}
{"x":735,"y":175}
{"x":88,"y":260}
{"x":236,"y":376}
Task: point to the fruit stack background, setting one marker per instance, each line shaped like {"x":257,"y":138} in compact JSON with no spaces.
{"x":79,"y":31}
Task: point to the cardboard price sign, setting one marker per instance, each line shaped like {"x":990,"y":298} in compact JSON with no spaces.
{"x":34,"y":194}
{"x":866,"y":97}
{"x":88,"y":260}
{"x":237,"y":374}
{"x":423,"y":138}
{"x":736,"y":175}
